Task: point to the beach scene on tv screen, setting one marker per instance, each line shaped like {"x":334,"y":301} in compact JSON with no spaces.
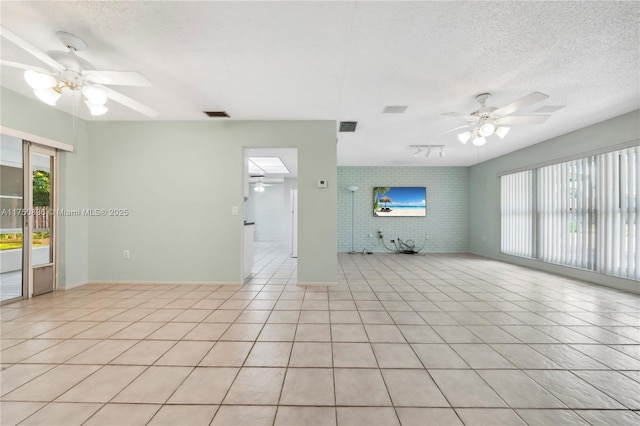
{"x":397,"y":201}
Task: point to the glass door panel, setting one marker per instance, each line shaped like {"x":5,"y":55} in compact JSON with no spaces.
{"x":11,"y":217}
{"x":42,"y":218}
{"x":42,"y":250}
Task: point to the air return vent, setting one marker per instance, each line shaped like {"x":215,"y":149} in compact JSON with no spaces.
{"x":348,"y":126}
{"x":222,"y":114}
{"x":395,"y":109}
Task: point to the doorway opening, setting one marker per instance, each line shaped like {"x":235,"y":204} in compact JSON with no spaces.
{"x":270,"y":215}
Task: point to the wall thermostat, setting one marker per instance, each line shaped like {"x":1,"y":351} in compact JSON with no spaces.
{"x":322,"y":183}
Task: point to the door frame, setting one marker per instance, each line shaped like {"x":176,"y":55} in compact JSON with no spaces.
{"x":28,"y":267}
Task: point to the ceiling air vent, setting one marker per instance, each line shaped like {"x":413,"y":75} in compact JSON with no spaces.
{"x":397,"y":109}
{"x":348,"y":126}
{"x":222,"y":114}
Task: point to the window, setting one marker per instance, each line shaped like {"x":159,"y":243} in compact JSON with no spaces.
{"x":617,"y":238}
{"x":517,"y":214}
{"x":581,"y":213}
{"x":566,"y":214}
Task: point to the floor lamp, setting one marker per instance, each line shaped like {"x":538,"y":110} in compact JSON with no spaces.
{"x":353,"y":190}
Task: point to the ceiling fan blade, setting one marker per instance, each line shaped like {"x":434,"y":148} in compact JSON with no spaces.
{"x":458,"y":115}
{"x":129,"y":103}
{"x":119,"y":78}
{"x":514,"y":120}
{"x":548,"y":109}
{"x":453,"y":130}
{"x":521,"y":103}
{"x":23,"y":66}
{"x":27,"y":47}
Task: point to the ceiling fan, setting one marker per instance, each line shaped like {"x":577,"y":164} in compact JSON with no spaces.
{"x":259,"y":182}
{"x":489,"y":120}
{"x":68,"y":71}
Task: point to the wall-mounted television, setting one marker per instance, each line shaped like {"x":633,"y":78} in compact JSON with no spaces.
{"x":396,"y":201}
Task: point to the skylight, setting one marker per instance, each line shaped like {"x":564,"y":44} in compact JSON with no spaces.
{"x":270,"y":165}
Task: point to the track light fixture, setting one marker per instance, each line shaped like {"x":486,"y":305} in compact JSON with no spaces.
{"x":428,"y":149}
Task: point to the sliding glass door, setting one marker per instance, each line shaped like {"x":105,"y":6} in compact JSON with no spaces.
{"x":27,"y":220}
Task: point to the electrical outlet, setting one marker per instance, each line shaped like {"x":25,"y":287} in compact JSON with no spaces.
{"x":126,"y":254}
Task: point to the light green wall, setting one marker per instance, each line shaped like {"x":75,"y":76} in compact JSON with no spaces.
{"x":484,"y":189}
{"x":160,"y":171}
{"x":180,"y":180}
{"x":27,"y":115}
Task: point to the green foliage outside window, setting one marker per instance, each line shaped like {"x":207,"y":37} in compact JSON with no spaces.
{"x":41,"y":188}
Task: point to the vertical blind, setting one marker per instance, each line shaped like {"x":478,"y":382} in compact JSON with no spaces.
{"x":566,"y":214}
{"x":581,"y":213}
{"x":618,"y":239}
{"x":517,"y":214}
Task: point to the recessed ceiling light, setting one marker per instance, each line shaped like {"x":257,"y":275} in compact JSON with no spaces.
{"x":269,"y":165}
{"x":395,"y":109}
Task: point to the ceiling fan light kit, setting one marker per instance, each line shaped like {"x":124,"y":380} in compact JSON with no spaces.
{"x":464,"y":137}
{"x":49,"y":96}
{"x":502,"y":131}
{"x":38,"y":80}
{"x":486,"y":129}
{"x":94,"y":95}
{"x":49,"y":90}
{"x":479,"y":141}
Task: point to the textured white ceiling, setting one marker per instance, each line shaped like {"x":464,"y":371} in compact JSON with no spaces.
{"x":348,"y":60}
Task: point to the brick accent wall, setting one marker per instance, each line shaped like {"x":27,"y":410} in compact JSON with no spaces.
{"x":447,"y":221}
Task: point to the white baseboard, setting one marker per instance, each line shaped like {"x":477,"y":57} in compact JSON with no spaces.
{"x":135,"y":282}
{"x":72,"y":286}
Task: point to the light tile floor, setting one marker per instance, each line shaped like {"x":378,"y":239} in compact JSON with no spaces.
{"x":411,"y":340}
